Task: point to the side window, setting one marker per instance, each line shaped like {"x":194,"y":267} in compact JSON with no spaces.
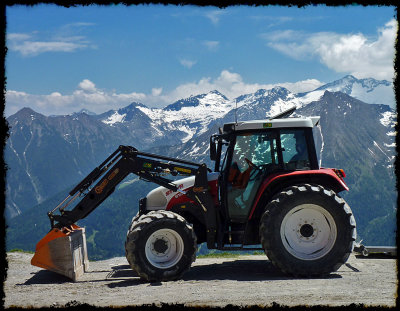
{"x":294,"y":150}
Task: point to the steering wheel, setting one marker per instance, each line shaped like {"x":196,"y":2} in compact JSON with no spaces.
{"x":264,"y":167}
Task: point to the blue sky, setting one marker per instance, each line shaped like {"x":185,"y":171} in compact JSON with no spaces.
{"x":61,"y":60}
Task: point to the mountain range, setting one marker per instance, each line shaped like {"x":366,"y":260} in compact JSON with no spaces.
{"x":48,"y":155}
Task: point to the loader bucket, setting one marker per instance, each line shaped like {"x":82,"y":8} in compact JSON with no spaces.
{"x":63,"y":251}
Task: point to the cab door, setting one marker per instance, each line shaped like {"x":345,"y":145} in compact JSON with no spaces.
{"x":254,"y":155}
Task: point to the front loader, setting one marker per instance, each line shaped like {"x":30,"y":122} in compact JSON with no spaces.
{"x":63,"y":249}
{"x":266,"y":192}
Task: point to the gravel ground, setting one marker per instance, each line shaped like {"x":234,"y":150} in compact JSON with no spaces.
{"x":215,"y":282}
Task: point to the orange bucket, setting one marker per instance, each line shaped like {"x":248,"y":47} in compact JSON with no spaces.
{"x":63,"y":251}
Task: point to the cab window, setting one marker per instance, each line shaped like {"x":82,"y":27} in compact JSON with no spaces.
{"x":294,"y":150}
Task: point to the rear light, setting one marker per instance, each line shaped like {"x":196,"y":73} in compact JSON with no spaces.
{"x":340,"y":173}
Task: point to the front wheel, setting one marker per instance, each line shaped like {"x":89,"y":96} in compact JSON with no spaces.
{"x":307,"y":231}
{"x":160,"y":246}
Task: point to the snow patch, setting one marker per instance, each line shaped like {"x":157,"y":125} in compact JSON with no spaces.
{"x":312,"y":96}
{"x":387,"y":118}
{"x":115,"y":118}
{"x":194,"y":150}
{"x":189,"y":131}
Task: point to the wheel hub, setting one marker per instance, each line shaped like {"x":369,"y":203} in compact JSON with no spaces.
{"x":160,"y":246}
{"x":308,"y":231}
{"x":164,"y":248}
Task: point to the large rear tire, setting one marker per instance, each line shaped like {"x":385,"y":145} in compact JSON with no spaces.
{"x":307,"y":231}
{"x":160,"y":246}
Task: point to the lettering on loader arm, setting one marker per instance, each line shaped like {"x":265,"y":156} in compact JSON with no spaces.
{"x":99,"y":189}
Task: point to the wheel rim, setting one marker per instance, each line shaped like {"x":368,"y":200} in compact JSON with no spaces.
{"x":164,"y":248}
{"x":308,"y":232}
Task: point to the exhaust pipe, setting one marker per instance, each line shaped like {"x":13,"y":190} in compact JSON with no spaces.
{"x":63,"y":251}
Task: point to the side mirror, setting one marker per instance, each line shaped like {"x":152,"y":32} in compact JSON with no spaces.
{"x":213,"y":149}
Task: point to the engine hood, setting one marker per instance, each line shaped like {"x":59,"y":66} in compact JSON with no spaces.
{"x":158,"y":198}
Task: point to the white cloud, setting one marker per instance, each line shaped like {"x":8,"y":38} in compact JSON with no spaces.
{"x":302,"y":86}
{"x":214,"y":16}
{"x":211,"y":45}
{"x":78,"y":24}
{"x":33,"y":48}
{"x":187,"y":63}
{"x":88,"y":96}
{"x":63,"y":40}
{"x":346,"y":53}
{"x":87,"y":85}
{"x":18,"y":36}
{"x":277,"y":35}
{"x":156,"y":91}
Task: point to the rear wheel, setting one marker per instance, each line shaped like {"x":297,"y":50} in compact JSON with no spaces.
{"x":160,"y":246}
{"x":307,"y":231}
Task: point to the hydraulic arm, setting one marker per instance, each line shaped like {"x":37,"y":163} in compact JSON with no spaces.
{"x":115,"y":168}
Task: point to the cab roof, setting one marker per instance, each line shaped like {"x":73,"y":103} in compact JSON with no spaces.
{"x":307,"y":122}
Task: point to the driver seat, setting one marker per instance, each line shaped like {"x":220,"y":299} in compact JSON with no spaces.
{"x":238,"y":179}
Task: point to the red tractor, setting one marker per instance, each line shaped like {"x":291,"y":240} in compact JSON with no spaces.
{"x":267,"y":192}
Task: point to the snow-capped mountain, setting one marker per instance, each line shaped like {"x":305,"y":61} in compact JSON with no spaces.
{"x":48,"y":154}
{"x":175,"y":123}
{"x":186,"y":118}
{"x":368,"y":90}
{"x":126,"y":114}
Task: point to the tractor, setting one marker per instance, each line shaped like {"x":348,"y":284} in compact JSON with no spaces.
{"x":265,"y":192}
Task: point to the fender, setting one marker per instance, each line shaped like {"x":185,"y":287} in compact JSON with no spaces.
{"x":332,"y":178}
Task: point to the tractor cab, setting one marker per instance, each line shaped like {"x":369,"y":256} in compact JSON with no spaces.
{"x":247,"y":154}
